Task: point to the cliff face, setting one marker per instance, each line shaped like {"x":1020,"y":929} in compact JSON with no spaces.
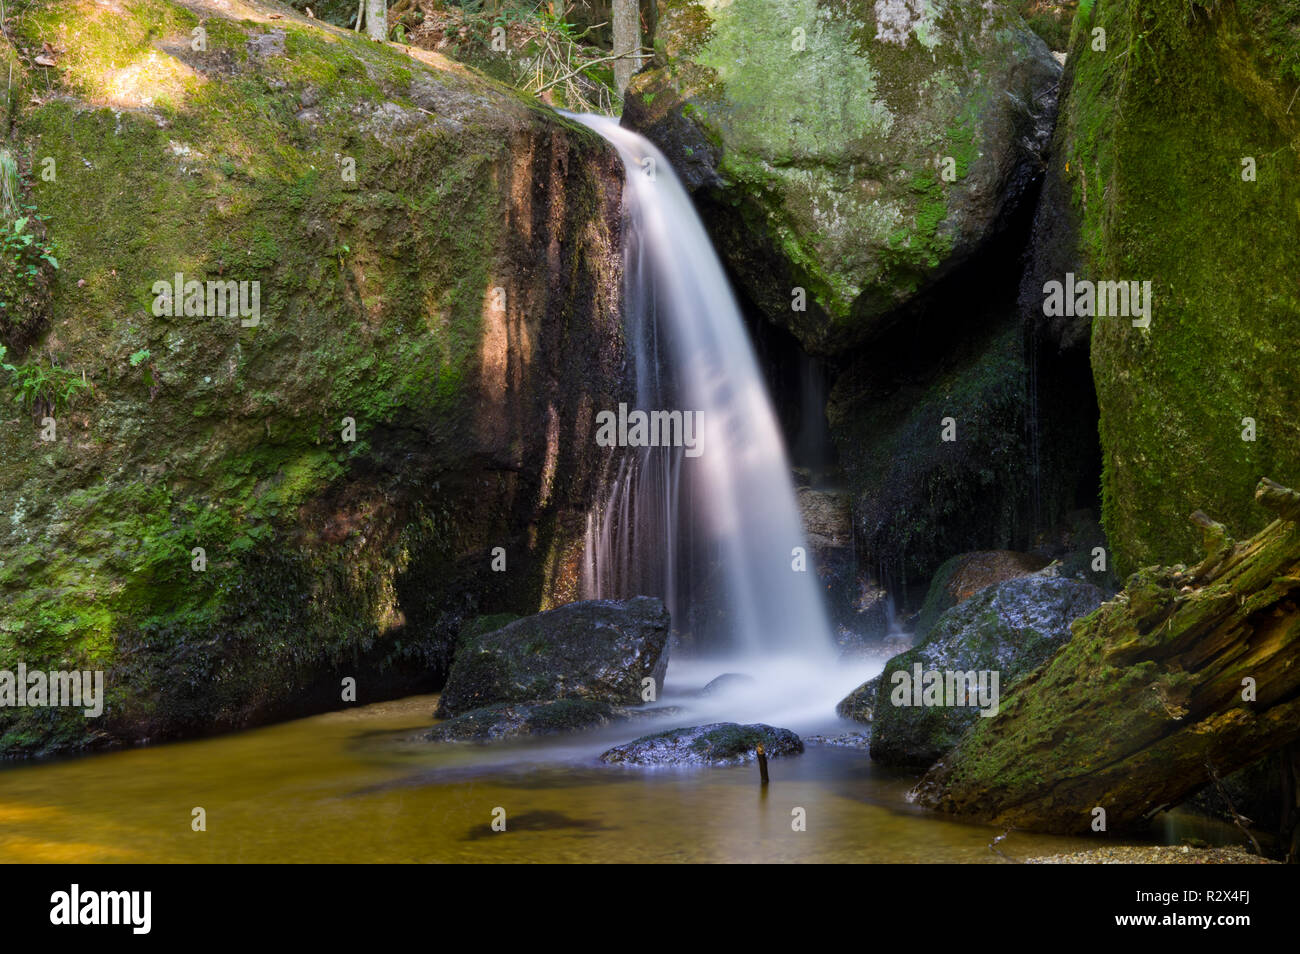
{"x":857,"y":150}
{"x":882,"y":157}
{"x":1179,"y":155}
{"x":429,"y":265}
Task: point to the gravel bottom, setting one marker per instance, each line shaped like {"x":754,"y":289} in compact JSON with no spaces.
{"x":1154,"y":855}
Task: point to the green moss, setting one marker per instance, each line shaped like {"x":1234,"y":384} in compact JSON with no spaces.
{"x":921,"y":499}
{"x":825,"y":138}
{"x":1157,"y":128}
{"x":213,"y":165}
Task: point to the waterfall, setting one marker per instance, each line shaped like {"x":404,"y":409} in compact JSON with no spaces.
{"x":718,"y":535}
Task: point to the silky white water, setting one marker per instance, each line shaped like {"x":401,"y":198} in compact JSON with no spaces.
{"x":718,"y":536}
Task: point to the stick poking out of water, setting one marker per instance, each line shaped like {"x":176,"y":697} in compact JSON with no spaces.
{"x":762,"y":762}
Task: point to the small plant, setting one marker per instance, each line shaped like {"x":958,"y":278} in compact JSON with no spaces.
{"x":25,"y":258}
{"x":150,"y":378}
{"x":43,"y":391}
{"x":21,"y":247}
{"x":11,"y":185}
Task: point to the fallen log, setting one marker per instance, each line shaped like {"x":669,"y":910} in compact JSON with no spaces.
{"x":1186,"y":673}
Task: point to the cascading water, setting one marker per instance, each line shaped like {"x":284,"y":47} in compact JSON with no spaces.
{"x":718,"y":535}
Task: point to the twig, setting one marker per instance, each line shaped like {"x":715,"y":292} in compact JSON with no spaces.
{"x":1241,"y":820}
{"x":993,"y":847}
{"x":639,"y":51}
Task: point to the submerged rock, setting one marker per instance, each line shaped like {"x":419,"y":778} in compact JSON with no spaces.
{"x":598,"y":650}
{"x":857,"y":150}
{"x":721,"y":743}
{"x":514,"y":720}
{"x":1009,"y":628}
{"x":844,"y":740}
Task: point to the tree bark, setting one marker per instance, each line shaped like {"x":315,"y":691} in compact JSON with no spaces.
{"x":1152,"y":694}
{"x":627,"y":38}
{"x":377,"y":19}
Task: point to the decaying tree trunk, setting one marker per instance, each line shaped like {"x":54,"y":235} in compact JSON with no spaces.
{"x":1184,"y":671}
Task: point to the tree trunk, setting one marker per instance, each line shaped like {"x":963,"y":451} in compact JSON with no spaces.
{"x":627,"y":38}
{"x":377,"y":19}
{"x":1187,"y":672}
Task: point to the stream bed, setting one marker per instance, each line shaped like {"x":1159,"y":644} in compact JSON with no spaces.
{"x":359,"y":786}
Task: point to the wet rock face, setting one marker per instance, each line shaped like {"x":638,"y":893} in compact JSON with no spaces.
{"x":438,"y":264}
{"x":859,"y":150}
{"x":597,"y":650}
{"x":720,"y":743}
{"x":517,"y":720}
{"x":919,"y":498}
{"x":857,"y":608}
{"x":1009,"y":628}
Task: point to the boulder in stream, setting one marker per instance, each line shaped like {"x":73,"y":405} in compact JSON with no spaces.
{"x":1009,"y":629}
{"x":719,"y":743}
{"x":599,"y":650}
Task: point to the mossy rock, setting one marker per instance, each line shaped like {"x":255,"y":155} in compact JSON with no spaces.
{"x":599,"y":650}
{"x":508,"y":721}
{"x":1153,"y":135}
{"x":379,"y":200}
{"x":814,"y":134}
{"x":1009,"y":628}
{"x":1050,"y":20}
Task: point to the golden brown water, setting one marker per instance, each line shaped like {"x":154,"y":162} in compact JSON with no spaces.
{"x":352,"y":786}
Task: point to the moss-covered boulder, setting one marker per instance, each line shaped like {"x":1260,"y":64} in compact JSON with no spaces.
{"x":721,"y":743}
{"x":237,"y":509}
{"x":1179,"y":153}
{"x":855,"y":149}
{"x":1009,"y":629}
{"x":600,"y":650}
